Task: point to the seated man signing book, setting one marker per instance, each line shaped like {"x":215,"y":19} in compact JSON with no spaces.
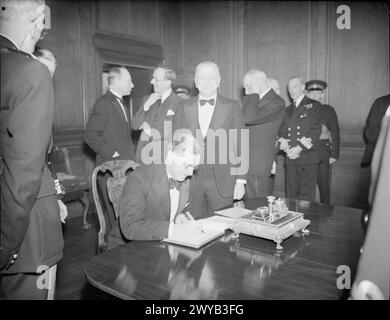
{"x":156,"y":198}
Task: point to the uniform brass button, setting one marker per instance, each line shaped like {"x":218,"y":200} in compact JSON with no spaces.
{"x":289,"y":129}
{"x":298,"y":133}
{"x":15,"y":256}
{"x":288,"y":134}
{"x":298,"y":127}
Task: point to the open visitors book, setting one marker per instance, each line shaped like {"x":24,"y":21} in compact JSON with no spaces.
{"x":213,"y":227}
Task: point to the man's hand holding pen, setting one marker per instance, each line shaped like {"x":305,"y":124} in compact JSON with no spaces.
{"x":186,"y":225}
{"x":191,"y":219}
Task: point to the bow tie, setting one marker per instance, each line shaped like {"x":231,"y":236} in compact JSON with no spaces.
{"x":203,"y":102}
{"x":174,"y":184}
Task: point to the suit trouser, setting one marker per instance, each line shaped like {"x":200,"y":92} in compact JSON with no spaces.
{"x":257,"y":186}
{"x":301,"y":181}
{"x":28,"y":286}
{"x":323,"y":179}
{"x":108,"y":208}
{"x":207,"y":198}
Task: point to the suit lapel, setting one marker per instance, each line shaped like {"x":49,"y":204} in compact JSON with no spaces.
{"x":161,"y":189}
{"x":191,"y":114}
{"x":168,"y":102}
{"x":219,"y":115}
{"x":183,"y":196}
{"x":162,"y":110}
{"x":117,"y":107}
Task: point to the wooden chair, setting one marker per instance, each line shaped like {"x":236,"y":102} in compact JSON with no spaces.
{"x":118,"y":169}
{"x":76,"y":186}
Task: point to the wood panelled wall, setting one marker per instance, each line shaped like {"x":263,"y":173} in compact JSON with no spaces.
{"x":281,"y":38}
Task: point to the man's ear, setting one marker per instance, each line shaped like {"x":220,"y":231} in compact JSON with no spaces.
{"x":219,"y":81}
{"x":196,"y":83}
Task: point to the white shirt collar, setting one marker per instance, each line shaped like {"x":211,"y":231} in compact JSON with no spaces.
{"x":264,"y":93}
{"x":165,"y":95}
{"x":2,"y":34}
{"x":115,"y":93}
{"x":299,"y":100}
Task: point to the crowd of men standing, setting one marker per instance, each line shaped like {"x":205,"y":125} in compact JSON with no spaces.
{"x":160,"y":199}
{"x":306,"y":131}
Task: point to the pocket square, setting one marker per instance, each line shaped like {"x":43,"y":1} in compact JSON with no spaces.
{"x":170,"y":112}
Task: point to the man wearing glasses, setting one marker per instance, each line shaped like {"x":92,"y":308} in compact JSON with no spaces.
{"x":157,"y":198}
{"x":154,"y":117}
{"x":31,"y":241}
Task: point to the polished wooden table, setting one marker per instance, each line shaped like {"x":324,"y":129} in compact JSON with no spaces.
{"x":240,"y":268}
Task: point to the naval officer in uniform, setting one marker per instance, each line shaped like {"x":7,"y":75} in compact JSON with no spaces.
{"x":299,"y":133}
{"x":329,"y":141}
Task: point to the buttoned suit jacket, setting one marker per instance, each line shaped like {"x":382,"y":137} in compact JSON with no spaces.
{"x":108,"y":132}
{"x":329,"y":119}
{"x":263,"y":118}
{"x":303,"y":121}
{"x":157,"y":115}
{"x":145,"y":207}
{"x":227,"y":115}
{"x":373,"y":126}
{"x":31,"y":233}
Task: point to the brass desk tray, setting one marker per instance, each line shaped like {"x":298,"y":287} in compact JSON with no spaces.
{"x":275,"y":229}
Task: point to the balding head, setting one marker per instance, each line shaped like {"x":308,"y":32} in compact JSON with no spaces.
{"x":21,"y":19}
{"x":255,"y":81}
{"x":119,"y":79}
{"x":207,"y":79}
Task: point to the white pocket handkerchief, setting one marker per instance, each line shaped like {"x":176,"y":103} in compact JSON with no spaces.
{"x":170,"y":112}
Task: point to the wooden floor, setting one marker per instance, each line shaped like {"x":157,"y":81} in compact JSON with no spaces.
{"x":80,"y":246}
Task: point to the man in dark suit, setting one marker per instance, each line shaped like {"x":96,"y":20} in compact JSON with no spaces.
{"x":31,"y":239}
{"x":108,"y":131}
{"x":157,"y":198}
{"x":329,"y":140}
{"x":263,"y":113}
{"x":299,"y":135}
{"x":373,"y":126}
{"x":372,"y":277}
{"x":155,"y":116}
{"x":222,"y":174}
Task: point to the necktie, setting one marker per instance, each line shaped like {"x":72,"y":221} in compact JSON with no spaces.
{"x":122,"y":104}
{"x":174,"y":184}
{"x":203,"y":102}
